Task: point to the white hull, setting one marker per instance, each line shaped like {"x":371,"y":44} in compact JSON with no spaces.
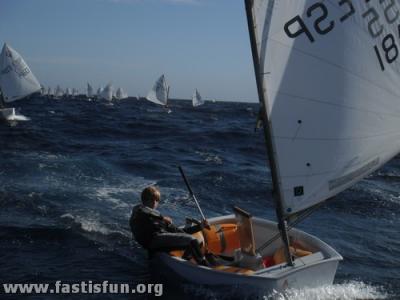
{"x":314,"y":270}
{"x":10,"y":115}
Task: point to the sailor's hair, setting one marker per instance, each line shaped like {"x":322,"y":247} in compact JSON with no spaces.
{"x":150,"y":194}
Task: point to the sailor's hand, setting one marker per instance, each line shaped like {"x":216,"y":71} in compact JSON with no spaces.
{"x":167,"y":220}
{"x":205,"y":224}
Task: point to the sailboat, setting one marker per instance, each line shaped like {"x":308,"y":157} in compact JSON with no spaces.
{"x":196,"y":99}
{"x":120,"y":94}
{"x":99,"y":91}
{"x":75,"y":92}
{"x":89,"y":93}
{"x":49,"y":92}
{"x":68,"y":93}
{"x":59,"y":92}
{"x":107,"y":92}
{"x":159,"y":93}
{"x":329,"y":104}
{"x":43,"y":91}
{"x":16,"y":82}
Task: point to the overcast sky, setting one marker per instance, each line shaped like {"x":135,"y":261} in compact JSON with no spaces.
{"x":201,"y":44}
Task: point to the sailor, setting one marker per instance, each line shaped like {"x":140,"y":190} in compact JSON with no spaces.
{"x":156,"y":232}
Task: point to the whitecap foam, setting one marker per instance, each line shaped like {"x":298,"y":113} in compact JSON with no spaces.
{"x":113,"y":194}
{"x":110,"y":194}
{"x":346,"y":291}
{"x":93,"y":225}
{"x":209,"y":157}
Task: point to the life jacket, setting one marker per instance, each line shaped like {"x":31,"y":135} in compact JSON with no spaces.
{"x":221,"y":238}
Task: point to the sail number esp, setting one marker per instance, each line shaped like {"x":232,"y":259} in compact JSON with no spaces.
{"x":387,"y":50}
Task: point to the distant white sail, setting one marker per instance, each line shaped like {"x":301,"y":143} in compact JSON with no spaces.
{"x":59,"y":92}
{"x":49,"y":91}
{"x":89,"y":90}
{"x":120,"y":94}
{"x":16,"y":78}
{"x":68,"y":92}
{"x":159,"y":93}
{"x":74,"y":92}
{"x":107,"y":93}
{"x":196,"y":99}
{"x":43,"y":90}
{"x":99,"y":91}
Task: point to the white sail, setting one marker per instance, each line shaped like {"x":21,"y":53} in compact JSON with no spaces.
{"x":120,"y":94}
{"x":43,"y":91}
{"x":59,"y":92}
{"x":16,"y":78}
{"x":159,"y":92}
{"x":196,"y":99}
{"x":89,"y":91}
{"x":68,"y":92}
{"x":330,"y":79}
{"x":107,"y":92}
{"x":99,"y":91}
{"x":50,"y":91}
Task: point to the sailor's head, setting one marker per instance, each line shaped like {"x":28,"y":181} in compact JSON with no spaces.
{"x":151,"y":197}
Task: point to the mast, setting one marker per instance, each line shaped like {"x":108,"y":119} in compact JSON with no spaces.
{"x":276,"y":194}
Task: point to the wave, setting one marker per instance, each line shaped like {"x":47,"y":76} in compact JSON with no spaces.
{"x":94,"y":225}
{"x":352,"y":290}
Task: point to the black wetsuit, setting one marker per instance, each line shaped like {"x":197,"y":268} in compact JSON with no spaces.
{"x":151,"y":231}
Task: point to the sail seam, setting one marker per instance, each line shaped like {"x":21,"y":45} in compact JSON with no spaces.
{"x":340,"y":105}
{"x":337,"y":139}
{"x":334,"y":65}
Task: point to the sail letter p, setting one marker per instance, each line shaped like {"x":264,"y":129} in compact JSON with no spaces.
{"x":302,"y":28}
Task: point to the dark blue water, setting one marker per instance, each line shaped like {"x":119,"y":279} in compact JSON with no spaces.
{"x":70,"y":176}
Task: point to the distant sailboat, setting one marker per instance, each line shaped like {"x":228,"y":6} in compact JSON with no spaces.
{"x":99,"y":91}
{"x":196,"y":99}
{"x":107,"y":93}
{"x":49,"y":92}
{"x":59,"y":92}
{"x":120,"y":94}
{"x":160,"y":92}
{"x":43,"y":91}
{"x":68,"y":93}
{"x":89,"y":92}
{"x":16,"y":81}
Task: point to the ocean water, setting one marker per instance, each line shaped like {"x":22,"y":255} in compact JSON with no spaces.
{"x":70,"y":176}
